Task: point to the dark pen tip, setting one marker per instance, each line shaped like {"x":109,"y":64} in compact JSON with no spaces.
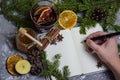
{"x":84,"y":41}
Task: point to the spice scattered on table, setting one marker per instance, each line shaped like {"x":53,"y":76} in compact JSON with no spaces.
{"x":35,"y":61}
{"x":60,"y":37}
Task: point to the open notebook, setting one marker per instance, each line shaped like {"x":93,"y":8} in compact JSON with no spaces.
{"x":73,"y":52}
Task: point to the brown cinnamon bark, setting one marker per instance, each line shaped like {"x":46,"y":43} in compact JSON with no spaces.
{"x":45,"y":41}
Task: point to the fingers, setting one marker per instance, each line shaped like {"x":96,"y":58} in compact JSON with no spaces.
{"x":96,"y":45}
{"x":88,"y":49}
{"x":114,"y":38}
{"x":111,"y":41}
{"x":92,"y":45}
{"x":96,"y":34}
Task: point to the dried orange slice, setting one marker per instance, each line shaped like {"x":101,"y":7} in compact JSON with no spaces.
{"x":44,"y":14}
{"x":39,"y":10}
{"x":67,"y":19}
{"x":11,"y":61}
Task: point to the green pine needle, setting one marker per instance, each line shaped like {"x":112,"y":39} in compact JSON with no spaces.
{"x":86,"y":7}
{"x":17,"y":11}
{"x":66,"y":72}
{"x":52,"y":67}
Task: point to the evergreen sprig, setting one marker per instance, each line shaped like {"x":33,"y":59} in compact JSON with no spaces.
{"x":17,"y":11}
{"x":86,"y":7}
{"x":52,"y":68}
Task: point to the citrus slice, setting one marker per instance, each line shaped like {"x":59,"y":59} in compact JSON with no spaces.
{"x":39,"y":10}
{"x":67,"y":19}
{"x":44,"y":14}
{"x":11,"y":61}
{"x":23,"y":66}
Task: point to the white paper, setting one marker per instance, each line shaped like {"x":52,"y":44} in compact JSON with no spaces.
{"x":68,"y":52}
{"x":73,"y":52}
{"x":88,"y":61}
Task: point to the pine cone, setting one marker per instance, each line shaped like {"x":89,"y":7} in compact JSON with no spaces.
{"x":98,"y":14}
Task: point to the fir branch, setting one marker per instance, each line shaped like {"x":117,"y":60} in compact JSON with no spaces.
{"x":116,"y":27}
{"x":87,"y":7}
{"x":52,"y":68}
{"x":58,"y":74}
{"x":43,"y":55}
{"x":17,"y":11}
{"x":68,"y":6}
{"x":87,"y":2}
{"x":85,"y":24}
{"x":82,"y":7}
{"x":66,"y":72}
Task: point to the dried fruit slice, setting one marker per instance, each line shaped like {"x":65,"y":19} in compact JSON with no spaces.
{"x":11,"y":61}
{"x":44,"y":15}
{"x":23,"y":66}
{"x":67,"y":19}
{"x":39,"y":10}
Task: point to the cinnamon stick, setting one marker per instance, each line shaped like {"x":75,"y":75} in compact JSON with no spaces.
{"x":51,"y":34}
{"x":54,"y":33}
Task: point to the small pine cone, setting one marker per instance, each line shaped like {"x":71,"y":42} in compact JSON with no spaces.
{"x":98,"y":14}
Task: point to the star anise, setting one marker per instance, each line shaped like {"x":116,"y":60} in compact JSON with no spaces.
{"x":60,"y":37}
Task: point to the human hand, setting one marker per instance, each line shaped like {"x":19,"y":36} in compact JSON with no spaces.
{"x":106,"y":50}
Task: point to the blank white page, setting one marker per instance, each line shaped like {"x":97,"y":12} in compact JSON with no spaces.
{"x":88,"y":61}
{"x":68,"y":51}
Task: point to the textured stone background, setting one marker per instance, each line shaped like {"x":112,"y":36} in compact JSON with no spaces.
{"x":7,"y":38}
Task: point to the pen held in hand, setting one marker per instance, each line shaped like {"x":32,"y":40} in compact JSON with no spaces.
{"x":105,"y":36}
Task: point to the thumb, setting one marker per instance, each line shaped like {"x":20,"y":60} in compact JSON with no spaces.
{"x":92,"y":45}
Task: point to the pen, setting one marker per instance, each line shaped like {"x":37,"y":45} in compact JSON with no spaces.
{"x":105,"y":36}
